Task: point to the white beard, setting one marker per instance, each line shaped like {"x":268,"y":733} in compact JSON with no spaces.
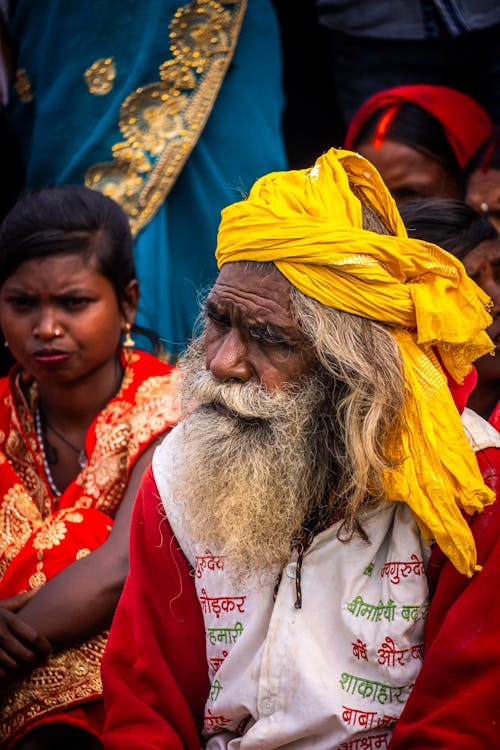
{"x":254,"y":476}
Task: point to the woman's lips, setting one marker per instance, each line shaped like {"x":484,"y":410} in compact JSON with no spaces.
{"x":50,"y":356}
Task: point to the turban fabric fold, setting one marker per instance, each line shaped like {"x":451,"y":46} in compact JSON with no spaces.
{"x":309,"y":224}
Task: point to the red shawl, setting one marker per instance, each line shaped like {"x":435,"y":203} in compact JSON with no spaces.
{"x":41,"y":534}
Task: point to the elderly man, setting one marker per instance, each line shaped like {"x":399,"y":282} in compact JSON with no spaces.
{"x":281,"y":564}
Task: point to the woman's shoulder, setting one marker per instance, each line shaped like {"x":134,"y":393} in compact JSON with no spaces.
{"x":145,"y":371}
{"x":149,"y":364}
{"x":14,"y":382}
{"x":147,"y":394}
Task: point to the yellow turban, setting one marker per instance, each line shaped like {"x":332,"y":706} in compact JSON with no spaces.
{"x":309,"y":224}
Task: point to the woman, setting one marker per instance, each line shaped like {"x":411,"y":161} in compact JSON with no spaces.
{"x":79,"y":418}
{"x":420,"y":138}
{"x":474,"y":240}
{"x":483,"y":180}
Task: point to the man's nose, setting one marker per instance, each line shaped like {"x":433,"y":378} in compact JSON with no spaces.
{"x":227,"y":358}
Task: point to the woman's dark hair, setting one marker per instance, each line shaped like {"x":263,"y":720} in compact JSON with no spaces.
{"x":410,"y":124}
{"x":62,"y":219}
{"x":451,"y":224}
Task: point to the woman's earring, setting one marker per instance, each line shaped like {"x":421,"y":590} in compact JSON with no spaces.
{"x":128,"y":341}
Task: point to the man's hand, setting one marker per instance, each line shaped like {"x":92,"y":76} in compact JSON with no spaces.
{"x":21,"y":647}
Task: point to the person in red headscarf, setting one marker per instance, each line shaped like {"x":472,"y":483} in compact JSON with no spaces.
{"x":470,"y":237}
{"x":483,"y":180}
{"x":420,"y":138}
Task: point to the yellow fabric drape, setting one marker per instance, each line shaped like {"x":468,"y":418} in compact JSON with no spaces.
{"x":309,"y":223}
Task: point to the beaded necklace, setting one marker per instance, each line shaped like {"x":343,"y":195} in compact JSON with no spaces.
{"x":41,"y":442}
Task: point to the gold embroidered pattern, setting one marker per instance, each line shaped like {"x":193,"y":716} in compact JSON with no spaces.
{"x":38,"y":578}
{"x":18,"y":520}
{"x":21,"y":447}
{"x":70,"y":676}
{"x":54,"y":531}
{"x":122,"y":430}
{"x":83,"y":552}
{"x":429,"y":374}
{"x":100,"y":76}
{"x":23,"y":86}
{"x":356,"y":260}
{"x":162,"y":122}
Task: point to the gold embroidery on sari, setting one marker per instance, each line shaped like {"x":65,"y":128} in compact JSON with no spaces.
{"x":100,"y":76}
{"x":22,"y":85}
{"x":67,"y":677}
{"x":18,"y":519}
{"x":121,"y":432}
{"x":21,"y":446}
{"x":73,"y":676}
{"x":161,"y":122}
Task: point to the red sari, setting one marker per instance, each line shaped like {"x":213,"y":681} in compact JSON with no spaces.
{"x":41,"y":534}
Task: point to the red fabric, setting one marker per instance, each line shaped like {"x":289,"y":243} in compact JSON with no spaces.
{"x":154,"y":669}
{"x":37,"y":544}
{"x":41,"y":535}
{"x":72,"y":533}
{"x":494,"y":417}
{"x":461,"y":392}
{"x":455,"y":702}
{"x":89,"y":717}
{"x":465,"y":123}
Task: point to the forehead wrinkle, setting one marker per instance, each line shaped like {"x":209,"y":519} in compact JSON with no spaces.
{"x":247,"y":305}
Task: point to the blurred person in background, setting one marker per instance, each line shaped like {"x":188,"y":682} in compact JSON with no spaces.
{"x":420,"y":138}
{"x":483,"y":180}
{"x":471,"y":238}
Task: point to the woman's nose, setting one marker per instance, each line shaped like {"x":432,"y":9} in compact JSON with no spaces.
{"x":226,"y":357}
{"x":46,"y":327}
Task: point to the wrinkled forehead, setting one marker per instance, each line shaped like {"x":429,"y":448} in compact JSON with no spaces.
{"x":255,"y":291}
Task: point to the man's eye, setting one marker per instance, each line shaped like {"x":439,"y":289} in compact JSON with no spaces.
{"x":217,"y":319}
{"x":267,"y":336}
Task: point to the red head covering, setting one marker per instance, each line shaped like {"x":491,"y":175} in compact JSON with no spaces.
{"x":465,"y":123}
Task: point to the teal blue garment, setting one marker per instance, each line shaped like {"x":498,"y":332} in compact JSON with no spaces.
{"x":65,"y":130}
